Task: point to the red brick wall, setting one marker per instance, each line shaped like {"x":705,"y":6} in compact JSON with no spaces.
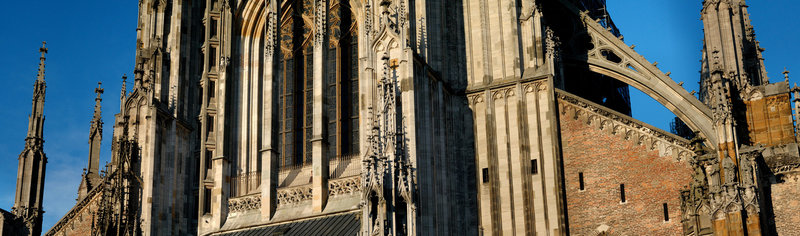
{"x":786,"y":204}
{"x":607,"y":161}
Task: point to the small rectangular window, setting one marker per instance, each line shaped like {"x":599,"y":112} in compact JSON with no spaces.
{"x":622,"y":192}
{"x":580,"y":180}
{"x":485,"y":173}
{"x":534,"y":166}
{"x":207,"y":201}
{"x":666,"y":212}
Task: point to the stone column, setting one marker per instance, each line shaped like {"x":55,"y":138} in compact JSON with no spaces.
{"x":221,"y":163}
{"x":319,"y":160}
{"x":269,"y":158}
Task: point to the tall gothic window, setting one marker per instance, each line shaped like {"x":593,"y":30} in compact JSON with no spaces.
{"x":341,"y":94}
{"x":295,"y":83}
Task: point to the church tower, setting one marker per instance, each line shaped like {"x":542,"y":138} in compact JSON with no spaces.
{"x":91,"y":176}
{"x":32,"y":161}
{"x":746,"y":110}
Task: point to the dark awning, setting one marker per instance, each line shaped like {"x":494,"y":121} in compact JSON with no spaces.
{"x":343,"y":224}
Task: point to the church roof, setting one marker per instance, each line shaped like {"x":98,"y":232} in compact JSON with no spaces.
{"x":343,"y":224}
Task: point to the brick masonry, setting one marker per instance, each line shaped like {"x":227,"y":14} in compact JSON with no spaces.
{"x":82,"y":222}
{"x":607,"y":161}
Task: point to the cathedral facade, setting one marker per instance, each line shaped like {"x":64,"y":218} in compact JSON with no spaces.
{"x":424,"y":117}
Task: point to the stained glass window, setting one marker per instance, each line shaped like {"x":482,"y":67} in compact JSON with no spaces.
{"x":294,"y":84}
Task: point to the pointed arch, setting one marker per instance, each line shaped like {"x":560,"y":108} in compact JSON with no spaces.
{"x":292,"y":77}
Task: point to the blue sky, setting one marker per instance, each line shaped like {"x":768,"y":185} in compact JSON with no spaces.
{"x":94,"y":40}
{"x":670,"y":33}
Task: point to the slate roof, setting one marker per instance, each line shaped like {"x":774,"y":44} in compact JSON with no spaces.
{"x":343,"y":224}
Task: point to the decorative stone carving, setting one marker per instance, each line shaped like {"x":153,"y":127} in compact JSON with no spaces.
{"x":294,"y":195}
{"x":551,"y":43}
{"x":224,"y":61}
{"x":269,"y":47}
{"x":477,"y":98}
{"x":368,"y":25}
{"x":730,"y":170}
{"x":320,"y":26}
{"x":246,"y":203}
{"x":345,"y":186}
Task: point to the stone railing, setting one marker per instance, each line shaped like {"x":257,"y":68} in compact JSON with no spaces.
{"x":244,"y":203}
{"x":602,"y":118}
{"x":344,"y":186}
{"x":294,"y":195}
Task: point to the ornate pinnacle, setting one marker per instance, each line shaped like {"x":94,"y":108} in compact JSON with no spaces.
{"x":123,"y":91}
{"x":42,"y":50}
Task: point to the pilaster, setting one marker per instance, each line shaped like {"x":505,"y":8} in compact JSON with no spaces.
{"x":269,"y":158}
{"x":319,"y":160}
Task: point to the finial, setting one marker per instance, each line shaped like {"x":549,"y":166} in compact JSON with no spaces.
{"x":99,"y":90}
{"x":123,"y":92}
{"x":43,"y":50}
{"x":785,"y":74}
{"x":124,"y":87}
{"x":97,"y":100}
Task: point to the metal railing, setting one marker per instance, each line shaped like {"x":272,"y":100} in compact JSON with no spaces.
{"x":246,"y":183}
{"x":344,"y":166}
{"x":289,"y":176}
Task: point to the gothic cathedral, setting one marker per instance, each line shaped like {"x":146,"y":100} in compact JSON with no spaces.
{"x":425,"y":117}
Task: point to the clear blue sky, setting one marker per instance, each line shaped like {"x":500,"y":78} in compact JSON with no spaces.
{"x":93,"y":40}
{"x":670,"y":33}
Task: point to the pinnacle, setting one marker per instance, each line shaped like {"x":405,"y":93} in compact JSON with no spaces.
{"x":785,"y":74}
{"x":42,"y":50}
{"x":99,"y":90}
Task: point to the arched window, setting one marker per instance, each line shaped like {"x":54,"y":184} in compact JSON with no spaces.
{"x":294,"y":83}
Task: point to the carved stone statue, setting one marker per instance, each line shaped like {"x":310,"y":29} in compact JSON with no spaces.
{"x":730,"y":170}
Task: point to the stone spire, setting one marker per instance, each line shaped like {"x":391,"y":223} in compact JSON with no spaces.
{"x":37,"y":111}
{"x":32,"y":161}
{"x":96,"y":132}
{"x":91,"y":176}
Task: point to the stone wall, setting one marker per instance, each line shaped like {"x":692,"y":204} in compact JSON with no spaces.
{"x":608,"y":152}
{"x":769,"y":120}
{"x":786,"y":204}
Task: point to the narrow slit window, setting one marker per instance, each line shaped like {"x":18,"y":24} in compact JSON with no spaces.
{"x":206,"y":201}
{"x":666,"y":212}
{"x":580,"y":181}
{"x":534,"y":166}
{"x":622,"y":192}
{"x":485,"y":173}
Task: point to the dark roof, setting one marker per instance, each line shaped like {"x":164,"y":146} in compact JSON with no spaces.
{"x":343,"y":224}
